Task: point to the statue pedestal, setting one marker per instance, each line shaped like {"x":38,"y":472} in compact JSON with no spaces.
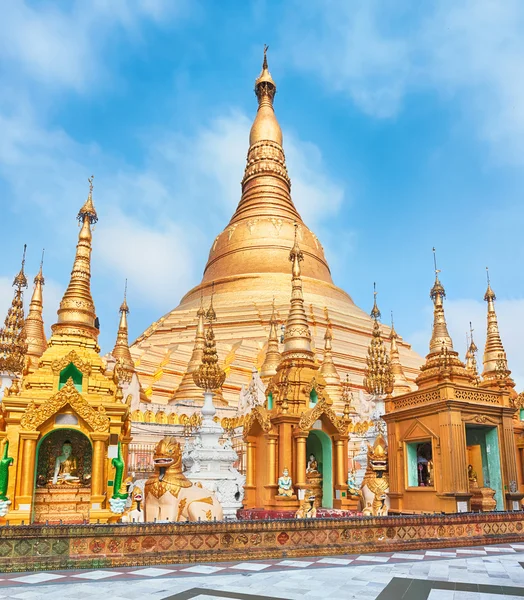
{"x":285,"y":503}
{"x":314,"y":488}
{"x":482,"y":499}
{"x":68,"y":504}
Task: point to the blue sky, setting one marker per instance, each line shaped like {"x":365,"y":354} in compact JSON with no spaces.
{"x":403,"y":128}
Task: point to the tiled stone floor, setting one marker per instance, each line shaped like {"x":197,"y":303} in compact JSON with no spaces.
{"x":476,"y":573}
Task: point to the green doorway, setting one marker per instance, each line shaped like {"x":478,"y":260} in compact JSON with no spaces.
{"x":319,"y":443}
{"x":483,"y":442}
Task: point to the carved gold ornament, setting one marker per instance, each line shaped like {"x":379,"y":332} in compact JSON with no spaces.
{"x":36,"y":415}
{"x":60,"y":364}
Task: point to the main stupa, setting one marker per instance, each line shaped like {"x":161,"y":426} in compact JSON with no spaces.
{"x":248,"y":272}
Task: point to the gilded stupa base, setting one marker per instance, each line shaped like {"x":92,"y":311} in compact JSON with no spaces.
{"x":62,"y":504}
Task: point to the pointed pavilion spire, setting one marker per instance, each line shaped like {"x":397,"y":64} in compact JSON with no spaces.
{"x":471,"y":353}
{"x":297,"y":337}
{"x":34,"y":323}
{"x":440,"y":338}
{"x":76,"y":315}
{"x":273,"y":356}
{"x":327,"y":368}
{"x":379,"y":378}
{"x":13,"y":345}
{"x":121,"y":350}
{"x":494,"y":361}
{"x":400,"y":382}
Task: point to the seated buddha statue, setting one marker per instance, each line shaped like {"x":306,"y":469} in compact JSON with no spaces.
{"x":472,"y":477}
{"x":312,"y":468}
{"x":285,"y":484}
{"x":66,"y":466}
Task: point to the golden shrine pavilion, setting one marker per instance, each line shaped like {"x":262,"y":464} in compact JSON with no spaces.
{"x":248,"y":267}
{"x":64,"y":419}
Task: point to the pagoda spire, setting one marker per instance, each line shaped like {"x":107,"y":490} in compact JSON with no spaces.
{"x":76,"y":315}
{"x":121,"y":350}
{"x":471,"y":353}
{"x":327,"y":368}
{"x":13,"y":345}
{"x":34,"y":323}
{"x":400,"y":382}
{"x":495,"y":362}
{"x":440,"y":338}
{"x":297,"y":337}
{"x":273,"y":357}
{"x":379,"y":378}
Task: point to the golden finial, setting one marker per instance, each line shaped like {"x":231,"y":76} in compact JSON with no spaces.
{"x":297,"y":337}
{"x":13,"y":344}
{"x":121,"y":350}
{"x":209,"y":376}
{"x":34,"y":323}
{"x":76,"y":315}
{"x":273,"y":357}
{"x":327,"y":368}
{"x":494,"y":360}
{"x":375,"y":313}
{"x":20,"y":280}
{"x":440,"y":337}
{"x":400,"y":382}
{"x":471,"y":359}
{"x":265,"y":87}
{"x":378,"y":379}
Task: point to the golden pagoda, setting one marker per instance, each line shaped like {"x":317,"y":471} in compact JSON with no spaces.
{"x":65,"y":420}
{"x":248,"y":265}
{"x":34,"y":323}
{"x":13,"y":343}
{"x":454,"y":436}
{"x":297,"y":429}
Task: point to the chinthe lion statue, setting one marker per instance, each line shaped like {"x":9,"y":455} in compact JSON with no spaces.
{"x":170,"y":496}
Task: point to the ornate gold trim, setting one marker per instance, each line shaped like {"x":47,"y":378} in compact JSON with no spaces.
{"x":60,"y":364}
{"x":321,"y":408}
{"x":36,"y":415}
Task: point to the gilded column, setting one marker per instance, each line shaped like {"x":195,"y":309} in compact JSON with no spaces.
{"x":272,"y":459}
{"x":250,"y":474}
{"x":28,"y":467}
{"x":300,"y":475}
{"x":98,"y":468}
{"x":341,"y":476}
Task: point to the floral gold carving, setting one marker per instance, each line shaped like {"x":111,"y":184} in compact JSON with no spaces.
{"x":36,"y":415}
{"x":60,"y":364}
{"x":321,"y":408}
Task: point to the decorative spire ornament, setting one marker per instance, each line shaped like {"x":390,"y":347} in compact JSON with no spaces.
{"x":327,"y":368}
{"x":34,"y":323}
{"x":13,"y":344}
{"x":494,"y":361}
{"x":440,"y":338}
{"x":400,"y":382}
{"x":76,"y":315}
{"x":273,"y":357}
{"x":297,"y":337}
{"x":209,"y":376}
{"x":471,"y":354}
{"x":121,"y":350}
{"x":378,"y":379}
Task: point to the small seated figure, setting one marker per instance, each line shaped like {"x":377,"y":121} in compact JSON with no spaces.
{"x":66,"y":467}
{"x":472,"y":476}
{"x":368,"y":510}
{"x":352,"y":484}
{"x":312,"y":466}
{"x":285,"y":484}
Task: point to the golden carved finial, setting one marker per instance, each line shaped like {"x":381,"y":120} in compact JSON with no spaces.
{"x":273,"y":357}
{"x":471,"y":358}
{"x":265,"y":87}
{"x":440,"y":337}
{"x":13,"y":344}
{"x":34,"y":323}
{"x":494,"y":361}
{"x":378,"y":379}
{"x":76,"y":315}
{"x":297,"y":337}
{"x":209,"y":376}
{"x":121,"y":350}
{"x":327,"y":368}
{"x":400,"y":382}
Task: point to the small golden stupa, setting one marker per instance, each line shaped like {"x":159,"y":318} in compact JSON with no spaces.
{"x":248,"y":266}
{"x":63,"y":416}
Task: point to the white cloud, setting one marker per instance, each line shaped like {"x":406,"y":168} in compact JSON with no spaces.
{"x":377,"y":52}
{"x":459,"y":313}
{"x":64,"y":46}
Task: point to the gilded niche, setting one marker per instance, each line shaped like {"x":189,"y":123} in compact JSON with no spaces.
{"x":322,"y":408}
{"x":36,"y":415}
